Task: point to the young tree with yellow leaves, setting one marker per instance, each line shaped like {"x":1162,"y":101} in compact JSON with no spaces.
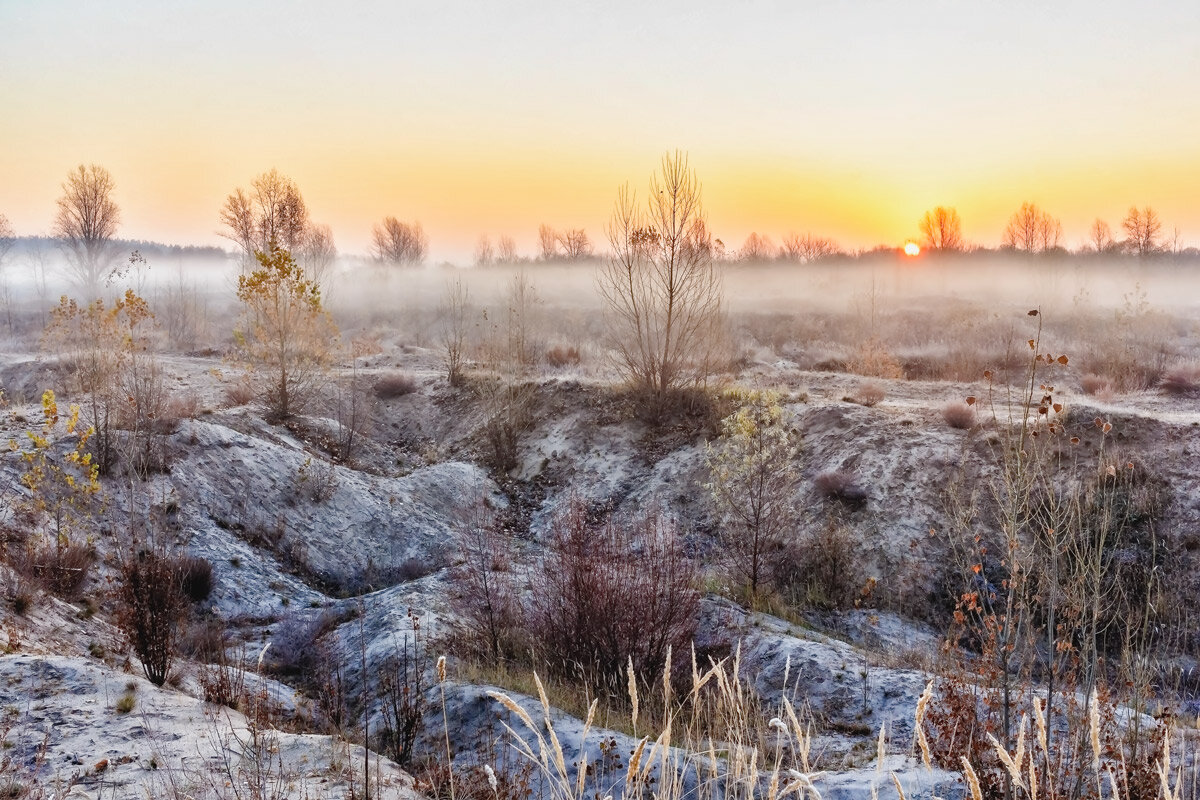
{"x":285,"y":335}
{"x":98,"y":344}
{"x":61,"y":486}
{"x":752,"y":481}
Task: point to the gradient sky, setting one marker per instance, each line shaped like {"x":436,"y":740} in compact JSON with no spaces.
{"x":845,"y":118}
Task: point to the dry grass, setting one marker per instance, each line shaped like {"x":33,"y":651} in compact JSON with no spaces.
{"x":873,"y":359}
{"x":714,"y":741}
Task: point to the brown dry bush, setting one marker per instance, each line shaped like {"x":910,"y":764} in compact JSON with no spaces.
{"x":239,"y":393}
{"x":560,"y":356}
{"x":1181,"y":381}
{"x":841,"y":486}
{"x":959,"y":415}
{"x":61,"y":568}
{"x":196,"y":578}
{"x":1094,"y":384}
{"x":870,"y":394}
{"x":396,"y":384}
{"x":485,"y":600}
{"x":607,"y":594}
{"x":150,"y":606}
{"x":873,"y":360}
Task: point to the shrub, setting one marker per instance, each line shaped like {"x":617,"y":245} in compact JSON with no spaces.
{"x":1094,"y":384}
{"x":239,"y":393}
{"x":151,"y":604}
{"x":870,"y":394}
{"x":823,"y":569}
{"x":485,"y":601}
{"x":841,"y":486}
{"x":196,"y":578}
{"x":958,"y":415}
{"x":1181,"y":381}
{"x":611,"y":594}
{"x":397,"y":384}
{"x":873,"y":360}
{"x":62,"y":568}
{"x":562,"y":356}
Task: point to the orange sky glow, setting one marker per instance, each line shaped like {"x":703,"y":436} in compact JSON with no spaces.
{"x":844,"y":120}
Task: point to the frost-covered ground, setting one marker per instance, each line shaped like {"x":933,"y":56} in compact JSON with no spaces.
{"x":373,"y":552}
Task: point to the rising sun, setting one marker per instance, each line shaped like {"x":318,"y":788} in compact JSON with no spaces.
{"x":912,"y":249}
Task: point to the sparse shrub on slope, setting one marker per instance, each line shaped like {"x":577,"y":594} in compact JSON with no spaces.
{"x":822,"y":569}
{"x":151,"y":605}
{"x":485,"y":599}
{"x":606,"y":594}
{"x":60,"y":567}
{"x":841,"y":486}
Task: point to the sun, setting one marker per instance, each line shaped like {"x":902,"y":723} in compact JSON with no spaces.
{"x":912,"y":249}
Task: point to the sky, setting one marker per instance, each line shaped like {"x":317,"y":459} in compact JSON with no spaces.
{"x":845,"y":119}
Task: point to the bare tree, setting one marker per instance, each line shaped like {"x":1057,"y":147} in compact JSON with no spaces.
{"x":757,"y":247}
{"x":1100,"y":236}
{"x":1142,"y":229}
{"x":272,"y":214}
{"x":522,"y":303}
{"x":506,"y":250}
{"x":807,"y":248}
{"x":941,"y":230}
{"x":662,"y":293}
{"x":85,"y":224}
{"x":1032,"y":230}
{"x":454,"y":329}
{"x":547,"y":243}
{"x":485,"y":254}
{"x":1176,"y":245}
{"x":317,"y":254}
{"x":575,"y":244}
{"x":400,"y":243}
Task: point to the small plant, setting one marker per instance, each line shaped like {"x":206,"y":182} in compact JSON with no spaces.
{"x":1181,"y":381}
{"x":613,"y":593}
{"x":870,"y":394}
{"x":1096,"y":385}
{"x":959,"y":415}
{"x":126,"y":703}
{"x":841,"y":486}
{"x":196,"y":578}
{"x":397,"y":384}
{"x":560,"y":356}
{"x":873,"y":360}
{"x":317,"y":479}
